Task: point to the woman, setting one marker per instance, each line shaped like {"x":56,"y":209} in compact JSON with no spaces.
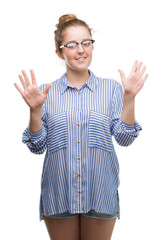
{"x":74,"y":119}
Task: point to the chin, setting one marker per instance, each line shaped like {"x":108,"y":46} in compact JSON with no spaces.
{"x":79,"y":69}
{"x":83,"y":69}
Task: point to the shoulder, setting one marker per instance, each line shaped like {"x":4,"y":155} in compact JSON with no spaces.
{"x":105,"y":80}
{"x":54,"y":84}
{"x":108,"y":83}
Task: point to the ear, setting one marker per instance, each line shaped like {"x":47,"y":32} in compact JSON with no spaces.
{"x":59,"y":54}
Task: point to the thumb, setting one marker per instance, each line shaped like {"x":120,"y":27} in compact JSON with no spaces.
{"x":47,"y":89}
{"x":121,"y":74}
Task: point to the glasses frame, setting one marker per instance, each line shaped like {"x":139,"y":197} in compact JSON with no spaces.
{"x":65,"y":45}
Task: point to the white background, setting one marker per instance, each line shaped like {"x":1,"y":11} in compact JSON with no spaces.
{"x":124,"y":31}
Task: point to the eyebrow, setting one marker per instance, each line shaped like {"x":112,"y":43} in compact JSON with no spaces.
{"x":76,"y":41}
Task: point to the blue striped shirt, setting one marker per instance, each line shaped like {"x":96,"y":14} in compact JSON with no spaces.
{"x":81,"y":170}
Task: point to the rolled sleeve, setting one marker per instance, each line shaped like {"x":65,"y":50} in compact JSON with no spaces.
{"x":36,"y":141}
{"x":133,"y":129}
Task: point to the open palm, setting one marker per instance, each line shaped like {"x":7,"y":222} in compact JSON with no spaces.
{"x":135,"y":81}
{"x":31,"y":93}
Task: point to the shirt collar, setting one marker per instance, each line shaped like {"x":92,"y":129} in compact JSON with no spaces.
{"x":91,"y":83}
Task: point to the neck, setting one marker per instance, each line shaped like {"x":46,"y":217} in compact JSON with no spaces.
{"x":76,"y":78}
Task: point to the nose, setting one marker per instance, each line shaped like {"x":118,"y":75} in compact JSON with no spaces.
{"x":80,"y":48}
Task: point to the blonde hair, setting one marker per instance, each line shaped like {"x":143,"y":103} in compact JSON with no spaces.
{"x":66,"y":21}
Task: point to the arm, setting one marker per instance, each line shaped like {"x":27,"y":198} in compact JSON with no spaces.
{"x":124,"y":127}
{"x":132,"y":85}
{"x":35,"y":122}
{"x":35,"y":135}
{"x":123,"y":132}
{"x":128,"y":113}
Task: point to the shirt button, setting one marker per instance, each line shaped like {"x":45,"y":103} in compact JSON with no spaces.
{"x":78,"y":124}
{"x":78,"y":175}
{"x":78,"y":108}
{"x":79,"y":192}
{"x":78,"y":93}
{"x":78,"y":142}
{"x":78,"y":158}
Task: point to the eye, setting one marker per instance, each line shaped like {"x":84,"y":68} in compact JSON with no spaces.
{"x":71,"y":45}
{"x":86,"y":42}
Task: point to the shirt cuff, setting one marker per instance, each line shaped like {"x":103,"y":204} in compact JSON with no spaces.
{"x":134,"y":128}
{"x":35,"y":135}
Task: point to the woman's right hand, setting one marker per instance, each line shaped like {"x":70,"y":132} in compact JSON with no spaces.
{"x":31,"y":93}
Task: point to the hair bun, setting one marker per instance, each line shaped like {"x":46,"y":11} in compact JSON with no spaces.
{"x":65,"y":18}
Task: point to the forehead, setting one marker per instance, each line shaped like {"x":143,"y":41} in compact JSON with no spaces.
{"x":75,"y":33}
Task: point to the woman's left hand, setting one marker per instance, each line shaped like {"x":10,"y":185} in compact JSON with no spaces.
{"x":135,"y":81}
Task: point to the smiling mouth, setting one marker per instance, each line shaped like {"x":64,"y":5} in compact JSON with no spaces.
{"x":81,"y":58}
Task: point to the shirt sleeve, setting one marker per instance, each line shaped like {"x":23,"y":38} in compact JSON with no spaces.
{"x":36,"y":141}
{"x":123,"y":133}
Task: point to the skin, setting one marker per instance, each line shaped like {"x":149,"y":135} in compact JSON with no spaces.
{"x":75,"y":68}
{"x":79,"y":227}
{"x":132,"y":85}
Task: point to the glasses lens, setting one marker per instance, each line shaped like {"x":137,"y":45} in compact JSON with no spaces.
{"x":71,"y":45}
{"x":87,"y":43}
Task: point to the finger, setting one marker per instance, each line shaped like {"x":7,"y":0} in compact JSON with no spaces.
{"x":139,"y":67}
{"x":142,"y":71}
{"x":47,"y":89}
{"x":145,"y":78}
{"x":121,"y":74}
{"x":26,"y":77}
{"x":22,"y":82}
{"x":18,"y":88}
{"x":33,"y":77}
{"x":134,"y":68}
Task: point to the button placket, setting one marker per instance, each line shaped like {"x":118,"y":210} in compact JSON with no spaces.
{"x":78,"y":143}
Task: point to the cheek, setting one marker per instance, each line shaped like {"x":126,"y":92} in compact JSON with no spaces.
{"x":68,"y":57}
{"x":89,"y":51}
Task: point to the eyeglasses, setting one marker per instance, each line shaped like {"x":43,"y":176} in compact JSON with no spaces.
{"x":72,"y":45}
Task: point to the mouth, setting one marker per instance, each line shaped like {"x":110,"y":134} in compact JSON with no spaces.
{"x":81,"y":59}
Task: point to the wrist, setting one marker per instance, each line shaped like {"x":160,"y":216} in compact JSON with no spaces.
{"x":35,"y":111}
{"x":35,"y":123}
{"x":128,"y":97}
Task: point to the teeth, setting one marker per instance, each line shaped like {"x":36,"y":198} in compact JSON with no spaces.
{"x":81,"y":58}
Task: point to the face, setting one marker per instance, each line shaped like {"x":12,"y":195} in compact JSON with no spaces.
{"x":79,"y":58}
